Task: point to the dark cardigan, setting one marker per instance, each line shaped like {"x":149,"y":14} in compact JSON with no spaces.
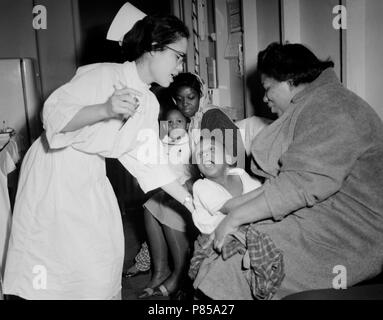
{"x":323,"y":164}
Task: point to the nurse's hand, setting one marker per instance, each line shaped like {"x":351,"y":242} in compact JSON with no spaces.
{"x":123,"y":103}
{"x":225,"y":228}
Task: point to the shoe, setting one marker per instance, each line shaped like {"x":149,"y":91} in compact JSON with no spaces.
{"x":133,"y":271}
{"x":155,"y":282}
{"x":162,"y":291}
{"x":146,"y":293}
{"x":131,"y":274}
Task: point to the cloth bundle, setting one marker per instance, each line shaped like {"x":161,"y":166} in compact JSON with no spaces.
{"x":265,"y":270}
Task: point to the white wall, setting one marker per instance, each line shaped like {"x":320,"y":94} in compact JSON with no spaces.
{"x":317,"y":31}
{"x":261,"y":27}
{"x":223,"y":65}
{"x":310,"y":22}
{"x":364,"y":51}
{"x":268,"y":22}
{"x":374,"y":55}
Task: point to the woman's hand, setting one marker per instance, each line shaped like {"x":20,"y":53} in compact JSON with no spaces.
{"x":123,"y":103}
{"x":225,"y":228}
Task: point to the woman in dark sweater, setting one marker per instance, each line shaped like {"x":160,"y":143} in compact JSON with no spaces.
{"x":321,"y":202}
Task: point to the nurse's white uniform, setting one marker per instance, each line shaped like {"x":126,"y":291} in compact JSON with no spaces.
{"x":67,"y":238}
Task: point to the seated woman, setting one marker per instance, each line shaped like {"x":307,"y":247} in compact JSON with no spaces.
{"x":321,"y":201}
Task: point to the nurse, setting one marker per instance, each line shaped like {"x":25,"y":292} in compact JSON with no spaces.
{"x":67,"y":239}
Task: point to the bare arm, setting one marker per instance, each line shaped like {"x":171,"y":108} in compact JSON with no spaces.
{"x":254,"y":210}
{"x":236,"y":202}
{"x":122,"y":104}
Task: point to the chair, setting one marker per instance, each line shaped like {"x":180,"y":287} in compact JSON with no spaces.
{"x":367,"y":290}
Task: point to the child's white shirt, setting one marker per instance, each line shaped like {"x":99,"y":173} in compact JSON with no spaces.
{"x":178,"y":154}
{"x":210,"y":196}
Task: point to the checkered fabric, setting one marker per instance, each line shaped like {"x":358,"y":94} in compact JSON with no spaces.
{"x":266,"y":271}
{"x":143,"y":258}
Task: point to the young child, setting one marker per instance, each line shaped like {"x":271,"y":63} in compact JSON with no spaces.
{"x":165,"y":220}
{"x":176,"y":143}
{"x":220,"y":183}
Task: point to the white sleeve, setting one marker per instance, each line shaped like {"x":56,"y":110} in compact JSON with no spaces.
{"x":150,"y":171}
{"x":84,"y":89}
{"x":205,"y":221}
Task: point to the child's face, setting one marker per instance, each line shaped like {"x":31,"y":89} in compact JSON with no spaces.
{"x":211,"y":159}
{"x":176,"y":125}
{"x":176,"y":120}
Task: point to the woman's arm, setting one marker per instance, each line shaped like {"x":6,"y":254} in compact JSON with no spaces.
{"x":234,"y":203}
{"x":122,"y":104}
{"x":252,"y":211}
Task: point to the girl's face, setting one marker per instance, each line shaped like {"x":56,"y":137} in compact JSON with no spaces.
{"x":210,"y":158}
{"x":166,"y":64}
{"x":278,"y":95}
{"x":187,"y":100}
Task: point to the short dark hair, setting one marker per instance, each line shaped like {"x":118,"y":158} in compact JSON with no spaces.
{"x":291,"y":62}
{"x":153,"y":33}
{"x":185,"y":79}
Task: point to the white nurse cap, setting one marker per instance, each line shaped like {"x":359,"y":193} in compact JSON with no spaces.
{"x":124,"y":21}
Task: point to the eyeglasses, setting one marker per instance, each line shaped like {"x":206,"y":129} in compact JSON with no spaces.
{"x":180,"y":55}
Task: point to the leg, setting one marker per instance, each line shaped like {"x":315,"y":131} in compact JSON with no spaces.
{"x":141,"y":264}
{"x":158,"y":250}
{"x":178,"y":244}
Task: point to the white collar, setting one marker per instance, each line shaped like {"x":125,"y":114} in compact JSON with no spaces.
{"x":131,"y":72}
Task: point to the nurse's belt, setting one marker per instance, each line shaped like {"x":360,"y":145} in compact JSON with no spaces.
{"x":124,"y":21}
